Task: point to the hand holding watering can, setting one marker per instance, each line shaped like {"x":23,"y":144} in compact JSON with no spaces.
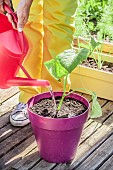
{"x":22,"y":14}
{"x":8,"y":2}
{"x":13,"y":49}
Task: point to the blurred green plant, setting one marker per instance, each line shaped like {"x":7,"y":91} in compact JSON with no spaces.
{"x":94,"y":17}
{"x":98,"y":50}
{"x":105,"y":24}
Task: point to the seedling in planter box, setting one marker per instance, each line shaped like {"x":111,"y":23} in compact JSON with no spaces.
{"x":64,"y":64}
{"x":97,"y":47}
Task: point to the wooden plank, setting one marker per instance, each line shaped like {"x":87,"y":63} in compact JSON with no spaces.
{"x":9,"y":104}
{"x":93,"y":124}
{"x":4,"y":120}
{"x":7,"y":93}
{"x":28,"y":161}
{"x":87,"y":132}
{"x":87,"y":96}
{"x":15,"y":139}
{"x":7,"y":131}
{"x":106,"y":112}
{"x":17,"y":153}
{"x":6,"y":108}
{"x":109,"y":121}
{"x":64,"y":166}
{"x":102,"y":101}
{"x":42,"y":165}
{"x":89,"y":146}
{"x":89,"y":121}
{"x":98,"y":156}
{"x":108,"y":165}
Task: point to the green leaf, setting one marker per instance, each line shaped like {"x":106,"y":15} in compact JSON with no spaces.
{"x":96,"y":108}
{"x":94,"y":44}
{"x":83,"y":54}
{"x":83,"y":45}
{"x":69,"y":59}
{"x":55,"y":69}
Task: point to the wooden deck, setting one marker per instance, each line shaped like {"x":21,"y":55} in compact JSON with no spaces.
{"x":18,"y":149}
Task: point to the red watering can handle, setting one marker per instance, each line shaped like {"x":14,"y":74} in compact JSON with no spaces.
{"x":10,"y":11}
{"x":20,"y":34}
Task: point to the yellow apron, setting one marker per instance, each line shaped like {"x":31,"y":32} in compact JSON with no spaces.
{"x":50,"y":30}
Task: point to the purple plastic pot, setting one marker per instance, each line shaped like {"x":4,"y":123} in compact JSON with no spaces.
{"x":57,"y":138}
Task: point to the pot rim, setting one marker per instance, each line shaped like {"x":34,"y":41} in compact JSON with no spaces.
{"x":88,"y":105}
{"x":57,"y":124}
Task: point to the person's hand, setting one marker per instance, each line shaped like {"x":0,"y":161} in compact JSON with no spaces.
{"x":22,"y":14}
{"x":1,"y":4}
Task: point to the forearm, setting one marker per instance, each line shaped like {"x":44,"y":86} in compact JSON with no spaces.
{"x":24,"y":3}
{"x":23,"y":12}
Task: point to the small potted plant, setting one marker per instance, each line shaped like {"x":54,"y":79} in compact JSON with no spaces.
{"x":57,"y":118}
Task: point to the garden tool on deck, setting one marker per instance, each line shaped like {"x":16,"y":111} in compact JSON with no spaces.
{"x":13,"y":50}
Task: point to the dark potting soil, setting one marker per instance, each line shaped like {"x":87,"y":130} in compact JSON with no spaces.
{"x":70,"y":108}
{"x":106,"y":66}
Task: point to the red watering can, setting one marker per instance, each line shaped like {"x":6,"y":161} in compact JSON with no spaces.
{"x":13,"y":49}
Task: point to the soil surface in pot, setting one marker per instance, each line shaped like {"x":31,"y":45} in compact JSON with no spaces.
{"x":106,"y":66}
{"x":70,"y":108}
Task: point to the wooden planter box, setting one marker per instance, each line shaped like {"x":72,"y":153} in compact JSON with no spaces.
{"x":107,"y":48}
{"x":95,"y":80}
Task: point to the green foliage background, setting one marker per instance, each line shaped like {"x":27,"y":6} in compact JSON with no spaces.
{"x":95,"y":17}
